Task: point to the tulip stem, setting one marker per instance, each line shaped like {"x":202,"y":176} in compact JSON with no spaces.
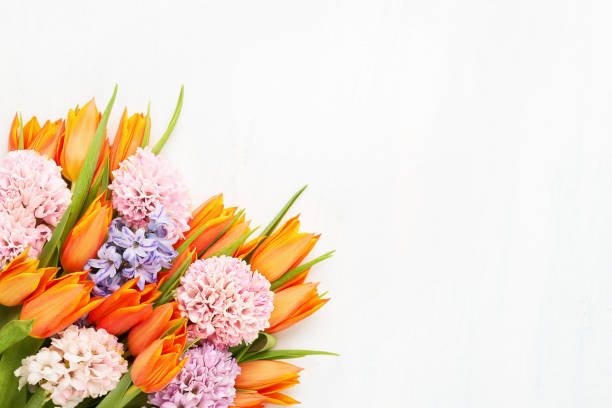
{"x":129,"y":395}
{"x":38,"y":399}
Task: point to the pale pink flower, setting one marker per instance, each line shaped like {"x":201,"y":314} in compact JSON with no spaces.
{"x":226,"y":301}
{"x":145,"y":182}
{"x":80,"y":363}
{"x":33,"y":198}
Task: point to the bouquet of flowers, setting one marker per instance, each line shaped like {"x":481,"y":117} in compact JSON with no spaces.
{"x":114,"y":293}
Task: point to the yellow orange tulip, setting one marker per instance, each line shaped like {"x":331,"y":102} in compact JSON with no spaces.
{"x":157,"y":365}
{"x":88,"y":235}
{"x":59,"y":303}
{"x":153,"y":327}
{"x":125,"y":308}
{"x":30,"y":130}
{"x":237,"y":230}
{"x":128,"y":138}
{"x":294,"y":304}
{"x":45,"y":142}
{"x":81,"y":127}
{"x":20,"y":278}
{"x":262,"y":382}
{"x":283,"y":250}
{"x":210,"y":217}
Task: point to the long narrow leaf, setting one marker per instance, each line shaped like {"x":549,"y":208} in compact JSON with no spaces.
{"x":296,"y":271}
{"x":113,"y":398}
{"x":13,"y":332}
{"x":233,"y":247}
{"x":147,"y":132}
{"x":227,"y":227}
{"x":283,"y":355}
{"x":51,"y":247}
{"x":10,"y":396}
{"x":177,"y":112}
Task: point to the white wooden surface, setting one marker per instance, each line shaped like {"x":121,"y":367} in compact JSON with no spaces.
{"x":458,"y":156}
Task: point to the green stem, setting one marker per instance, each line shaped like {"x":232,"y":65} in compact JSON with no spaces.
{"x":38,"y":399}
{"x":129,"y":395}
{"x":177,"y":112}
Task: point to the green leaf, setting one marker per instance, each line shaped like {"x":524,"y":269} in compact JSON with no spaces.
{"x":129,"y":395}
{"x":113,"y":398}
{"x":9,"y":362}
{"x":21,"y":146}
{"x":38,"y":399}
{"x":99,"y":186}
{"x":173,"y":328}
{"x":9,"y":313}
{"x":177,"y":112}
{"x":13,"y":332}
{"x":264,"y":342}
{"x":52,"y":246}
{"x":283,"y":355}
{"x":227,"y":227}
{"x":233,"y":247}
{"x":276,"y":220}
{"x":287,"y":276}
{"x":171,"y":283}
{"x":83,"y":181}
{"x":147,"y":132}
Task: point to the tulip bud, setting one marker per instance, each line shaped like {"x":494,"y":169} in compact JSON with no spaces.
{"x":157,"y":365}
{"x":88,"y":235}
{"x":59,"y":303}
{"x":260,"y":382}
{"x":20,"y":278}
{"x":80,"y":130}
{"x":128,"y":138}
{"x":283,"y":250}
{"x":153,"y":327}
{"x":125,"y":308}
{"x":294,"y":304}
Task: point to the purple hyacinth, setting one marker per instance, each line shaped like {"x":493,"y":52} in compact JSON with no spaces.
{"x":130,"y":253}
{"x":207,"y":380}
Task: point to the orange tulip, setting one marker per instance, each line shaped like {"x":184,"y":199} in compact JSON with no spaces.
{"x":125,"y":308}
{"x":153,"y":327}
{"x":283,"y":250}
{"x":80,"y":130}
{"x":20,"y":278}
{"x":30,"y":130}
{"x":128,"y":138}
{"x":210,"y":217}
{"x":294,"y":304}
{"x":59,"y":303}
{"x":46,"y":140}
{"x":157,"y":365}
{"x":263,"y":380}
{"x":88,"y":235}
{"x":237,"y":230}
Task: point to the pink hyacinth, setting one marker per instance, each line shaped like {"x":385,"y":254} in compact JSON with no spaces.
{"x":145,"y":182}
{"x":80,"y":363}
{"x":207,"y":380}
{"x":226,"y":301}
{"x":33,"y":198}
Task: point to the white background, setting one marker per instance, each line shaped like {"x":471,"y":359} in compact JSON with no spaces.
{"x":458,"y":156}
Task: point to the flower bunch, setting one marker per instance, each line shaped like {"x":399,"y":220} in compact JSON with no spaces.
{"x":133,"y":253}
{"x":100,"y":253}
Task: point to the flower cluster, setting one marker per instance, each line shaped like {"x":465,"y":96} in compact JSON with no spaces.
{"x":80,"y":363}
{"x":226,"y":301}
{"x":207,"y":380}
{"x":129,"y":253}
{"x":187,"y":292}
{"x":143,"y":183}
{"x":33,"y":198}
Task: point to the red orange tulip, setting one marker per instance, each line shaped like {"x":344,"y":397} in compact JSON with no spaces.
{"x":263,"y":380}
{"x":283,"y":250}
{"x":212,"y":218}
{"x":293,"y":304}
{"x":80,"y":130}
{"x":153,"y":327}
{"x":20,"y":278}
{"x":157,"y":364}
{"x":128,"y":138}
{"x":88,"y":235}
{"x":59,"y":303}
{"x":125,"y":308}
